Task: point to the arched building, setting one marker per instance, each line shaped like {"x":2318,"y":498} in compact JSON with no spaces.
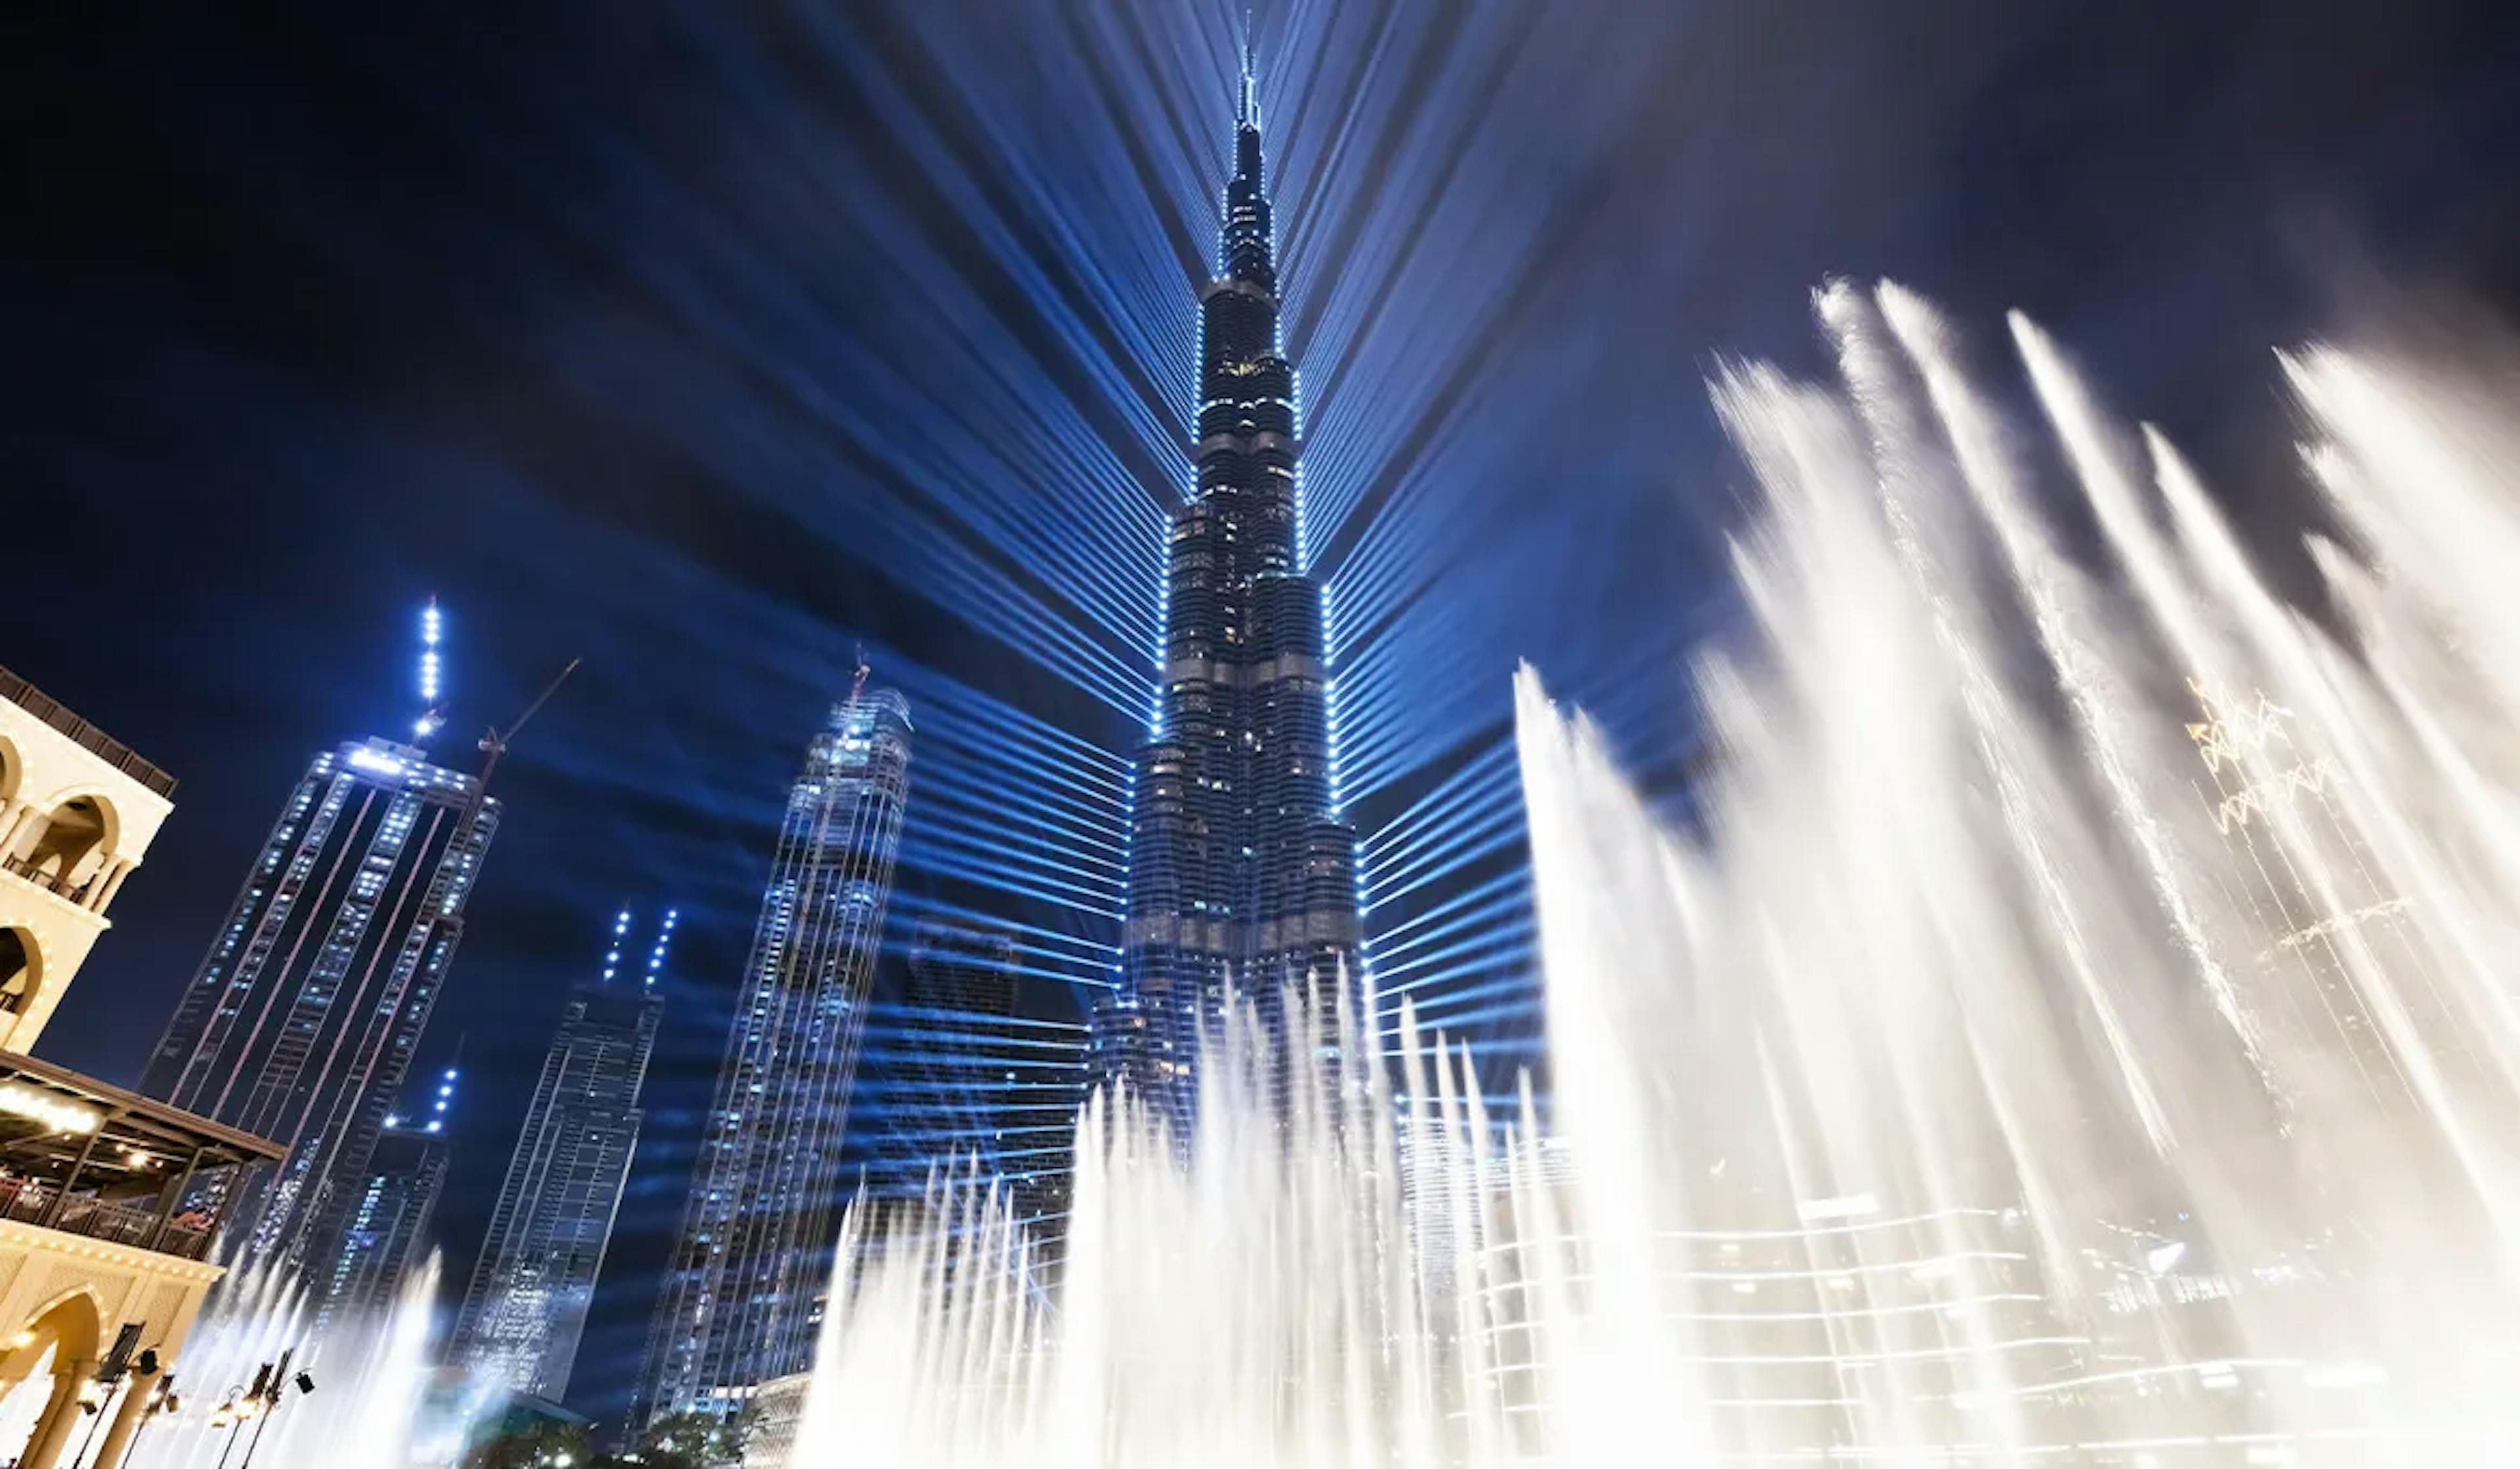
{"x":102,"y":1274}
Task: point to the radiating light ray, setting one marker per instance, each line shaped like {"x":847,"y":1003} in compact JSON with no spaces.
{"x":1506,"y":909}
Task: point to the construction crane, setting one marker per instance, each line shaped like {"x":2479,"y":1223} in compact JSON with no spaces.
{"x":495,"y":742}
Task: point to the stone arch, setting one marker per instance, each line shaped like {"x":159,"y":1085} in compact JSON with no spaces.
{"x":71,"y":1326}
{"x":13,"y":770}
{"x":71,"y":842}
{"x":21,"y":970}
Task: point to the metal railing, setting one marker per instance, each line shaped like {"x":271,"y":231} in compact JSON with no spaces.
{"x":29,"y":1201}
{"x":58,"y":884}
{"x":96,"y":742}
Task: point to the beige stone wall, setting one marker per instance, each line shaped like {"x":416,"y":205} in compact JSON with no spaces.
{"x":44,"y":1270}
{"x":42,"y":771}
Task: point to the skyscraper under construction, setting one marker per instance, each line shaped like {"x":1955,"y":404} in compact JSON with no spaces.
{"x":302,"y":1022}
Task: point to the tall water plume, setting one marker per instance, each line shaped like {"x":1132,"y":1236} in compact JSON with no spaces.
{"x":2080,"y":1029}
{"x":369,"y":1370}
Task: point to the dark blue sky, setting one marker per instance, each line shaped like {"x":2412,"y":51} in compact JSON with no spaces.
{"x":705,"y":341}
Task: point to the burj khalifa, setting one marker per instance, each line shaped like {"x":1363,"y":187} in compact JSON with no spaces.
{"x":1242,"y":871}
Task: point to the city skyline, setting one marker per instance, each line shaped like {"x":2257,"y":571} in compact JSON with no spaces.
{"x":708,"y":412}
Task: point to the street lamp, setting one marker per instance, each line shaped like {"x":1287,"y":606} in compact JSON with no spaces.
{"x":257,"y":1403}
{"x":162,"y":1400}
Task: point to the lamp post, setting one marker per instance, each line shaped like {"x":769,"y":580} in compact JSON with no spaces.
{"x":263,"y":1399}
{"x":230,"y":1414}
{"x":162,"y":1400}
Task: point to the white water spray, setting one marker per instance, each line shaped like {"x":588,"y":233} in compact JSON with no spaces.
{"x":370,"y":1371}
{"x":2082,"y":1031}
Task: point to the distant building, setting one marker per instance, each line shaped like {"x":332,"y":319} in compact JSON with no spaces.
{"x":535,"y":1281}
{"x":955,"y":1073}
{"x":303,"y":1018}
{"x":388,"y":1234}
{"x":100,"y":1255}
{"x":745,"y":1292}
{"x":1243,"y":871}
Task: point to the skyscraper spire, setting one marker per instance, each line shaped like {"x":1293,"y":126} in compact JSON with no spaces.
{"x":664,"y":940}
{"x":620,"y":936}
{"x":1246,"y":114}
{"x":1241,"y":872}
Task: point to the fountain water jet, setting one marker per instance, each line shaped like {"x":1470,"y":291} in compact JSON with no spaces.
{"x":370,"y":1370}
{"x":2081,"y":1031}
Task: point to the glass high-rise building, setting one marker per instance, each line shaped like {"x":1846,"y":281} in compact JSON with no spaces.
{"x":746,"y":1288}
{"x":956,"y":1074}
{"x":1242,"y":871}
{"x":387,"y":1233}
{"x":534,"y":1283}
{"x":302,"y":1020}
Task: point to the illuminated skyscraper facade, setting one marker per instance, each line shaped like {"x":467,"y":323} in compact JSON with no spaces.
{"x":301,"y":1023}
{"x":746,"y":1282}
{"x":1241,"y":869}
{"x":534,"y":1283}
{"x":954,"y":1074}
{"x":387,"y":1232}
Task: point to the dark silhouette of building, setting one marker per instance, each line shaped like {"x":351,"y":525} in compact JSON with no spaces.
{"x":956,"y":1074}
{"x":385,"y":1233}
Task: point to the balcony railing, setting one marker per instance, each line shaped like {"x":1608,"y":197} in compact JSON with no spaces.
{"x":96,"y":742}
{"x":31,"y":1201}
{"x":56,"y":883}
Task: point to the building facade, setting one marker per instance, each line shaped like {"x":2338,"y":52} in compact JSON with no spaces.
{"x":1242,"y":871}
{"x":954,"y":1073}
{"x":743,"y":1296}
{"x":301,"y":1022}
{"x":388,"y":1233}
{"x":104,"y":1266}
{"x":77,"y":812}
{"x":526,"y":1308}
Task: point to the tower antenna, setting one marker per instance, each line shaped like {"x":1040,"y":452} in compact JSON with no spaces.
{"x":1248,"y":115}
{"x":433,"y":711}
{"x":664,"y":940}
{"x":857,"y":685}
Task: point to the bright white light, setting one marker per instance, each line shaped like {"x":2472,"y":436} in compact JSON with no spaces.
{"x":2344,"y":1374}
{"x":21,"y":1100}
{"x":1845,"y":1206}
{"x":2161,"y":1258}
{"x":370,"y":760}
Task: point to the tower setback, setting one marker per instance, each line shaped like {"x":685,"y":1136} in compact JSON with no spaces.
{"x":1242,"y":871}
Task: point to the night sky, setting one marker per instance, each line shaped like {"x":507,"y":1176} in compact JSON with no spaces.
{"x":710,"y":341}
